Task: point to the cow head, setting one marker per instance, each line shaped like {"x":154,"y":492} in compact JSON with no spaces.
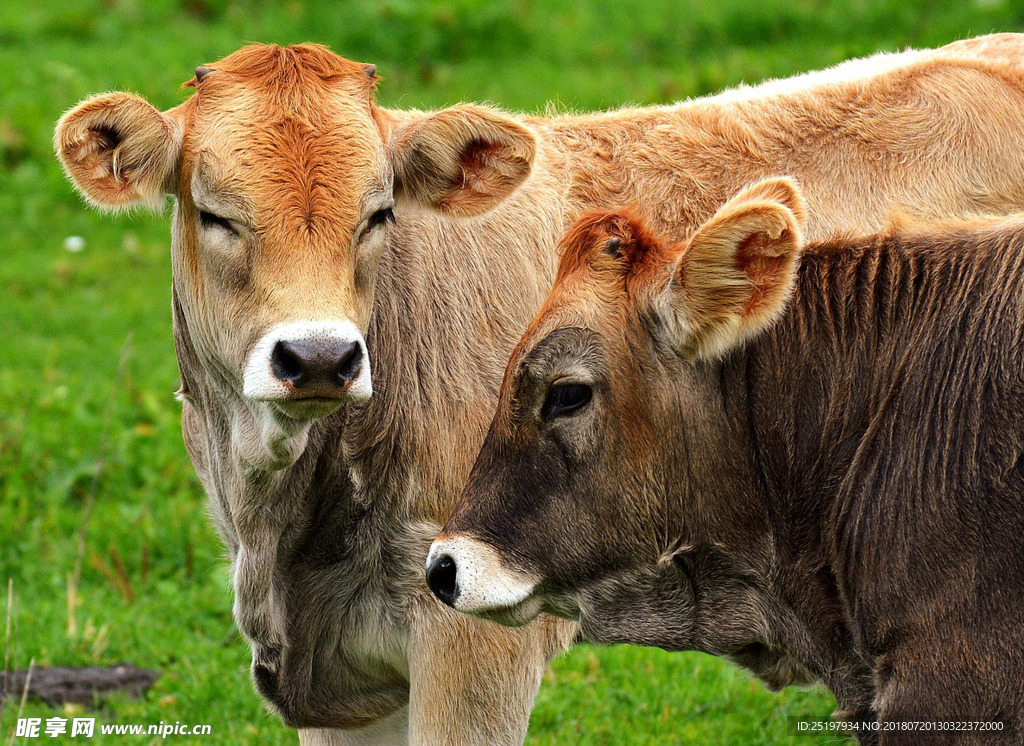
{"x":609,"y":406}
{"x":285,"y":177}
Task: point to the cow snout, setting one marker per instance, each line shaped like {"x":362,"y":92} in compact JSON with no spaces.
{"x":309,"y":368}
{"x":315,"y":366}
{"x":469,"y":575}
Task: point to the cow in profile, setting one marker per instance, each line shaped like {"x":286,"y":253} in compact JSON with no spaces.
{"x":349,"y":281}
{"x":810,"y":462}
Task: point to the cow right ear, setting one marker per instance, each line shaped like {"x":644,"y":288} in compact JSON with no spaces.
{"x":736,"y":273}
{"x":461,"y":161}
{"x":119,"y":151}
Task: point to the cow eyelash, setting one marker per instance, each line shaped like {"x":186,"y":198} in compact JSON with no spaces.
{"x":381,"y":217}
{"x":209,"y":220}
{"x":565,"y":398}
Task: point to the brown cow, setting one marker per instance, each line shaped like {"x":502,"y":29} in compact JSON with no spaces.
{"x":317,"y":237}
{"x":839,"y":494}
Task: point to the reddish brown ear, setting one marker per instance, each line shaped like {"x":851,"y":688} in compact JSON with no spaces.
{"x":462,"y":161}
{"x":737,"y":271}
{"x":119,"y":151}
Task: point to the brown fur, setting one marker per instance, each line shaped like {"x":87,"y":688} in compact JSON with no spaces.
{"x":328,"y":521}
{"x":838,"y":497}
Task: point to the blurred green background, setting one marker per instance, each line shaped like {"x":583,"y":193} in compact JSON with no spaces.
{"x":87,"y":368}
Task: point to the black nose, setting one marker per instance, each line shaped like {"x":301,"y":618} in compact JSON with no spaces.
{"x":441,"y":579}
{"x":316,"y":366}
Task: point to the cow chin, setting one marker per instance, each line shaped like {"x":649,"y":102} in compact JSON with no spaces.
{"x":653,"y":605}
{"x":311,"y":409}
{"x":516,"y":615}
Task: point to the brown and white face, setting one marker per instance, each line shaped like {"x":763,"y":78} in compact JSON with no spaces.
{"x":285,"y":177}
{"x":605,"y":411}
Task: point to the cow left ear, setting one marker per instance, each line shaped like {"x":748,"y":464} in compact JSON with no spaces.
{"x":736,"y":273}
{"x":462,"y":161}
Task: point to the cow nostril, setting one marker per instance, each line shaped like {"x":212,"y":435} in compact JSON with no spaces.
{"x":351,"y":361}
{"x":319,"y":367}
{"x":441,"y":578}
{"x":286,"y":364}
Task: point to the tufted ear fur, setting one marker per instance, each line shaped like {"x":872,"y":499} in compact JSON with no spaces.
{"x":782,"y":190}
{"x":119,"y":151}
{"x":462,"y":161}
{"x":736,"y":273}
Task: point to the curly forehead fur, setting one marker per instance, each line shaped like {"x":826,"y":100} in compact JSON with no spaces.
{"x":297,"y":123}
{"x":589,"y":248}
{"x":290,"y":71}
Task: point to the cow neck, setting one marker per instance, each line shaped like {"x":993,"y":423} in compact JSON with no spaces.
{"x":813,"y":385}
{"x":676,"y":163}
{"x":806,"y":391}
{"x":845,"y":370}
{"x":453,"y":295}
{"x":835,"y":368}
{"x":451,"y":300}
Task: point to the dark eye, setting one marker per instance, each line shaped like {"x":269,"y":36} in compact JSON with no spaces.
{"x":209,"y":220}
{"x":565,"y":398}
{"x":387,"y":215}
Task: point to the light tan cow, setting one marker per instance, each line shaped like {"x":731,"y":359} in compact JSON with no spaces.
{"x":317,"y":237}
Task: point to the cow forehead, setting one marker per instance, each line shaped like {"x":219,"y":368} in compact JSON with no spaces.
{"x":582,"y":296}
{"x":285,"y":166}
{"x":604,"y":297}
{"x":602,"y":286}
{"x":296,"y":141}
{"x":544,"y":343}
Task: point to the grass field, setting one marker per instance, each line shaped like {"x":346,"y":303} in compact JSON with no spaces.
{"x":93,"y":472}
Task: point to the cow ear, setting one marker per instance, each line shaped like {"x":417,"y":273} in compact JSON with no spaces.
{"x":736,"y":273}
{"x":461,"y":161}
{"x":119,"y":151}
{"x":779,"y":189}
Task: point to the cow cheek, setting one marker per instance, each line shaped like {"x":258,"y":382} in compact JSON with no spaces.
{"x":511,"y":502}
{"x":561,"y":531}
{"x":367,"y":267}
{"x":362,"y":307}
{"x":219,"y":304}
{"x":222,"y":323}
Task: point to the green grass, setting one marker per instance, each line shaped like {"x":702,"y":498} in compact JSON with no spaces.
{"x":68,"y":414}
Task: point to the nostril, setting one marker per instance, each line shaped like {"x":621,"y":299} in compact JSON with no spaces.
{"x":286,"y":364}
{"x":351,"y":361}
{"x":441,"y":578}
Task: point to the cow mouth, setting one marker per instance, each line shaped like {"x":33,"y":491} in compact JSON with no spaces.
{"x":307,"y":407}
{"x":563,"y":606}
{"x":516,"y":615}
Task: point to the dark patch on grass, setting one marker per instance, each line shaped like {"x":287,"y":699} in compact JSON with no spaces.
{"x":60,"y":685}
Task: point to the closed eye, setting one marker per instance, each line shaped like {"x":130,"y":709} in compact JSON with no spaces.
{"x":209,"y":220}
{"x":381,"y":217}
{"x":564,"y":399}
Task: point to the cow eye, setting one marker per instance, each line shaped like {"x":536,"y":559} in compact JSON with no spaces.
{"x":387,"y":215}
{"x":209,"y":220}
{"x":565,"y":398}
